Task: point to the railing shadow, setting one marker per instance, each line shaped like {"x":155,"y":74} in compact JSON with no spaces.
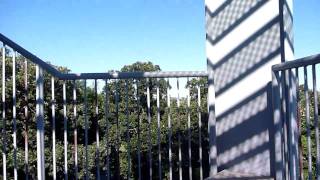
{"x":245,"y":129}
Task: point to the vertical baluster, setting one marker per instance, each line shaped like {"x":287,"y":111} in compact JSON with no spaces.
{"x":308,"y":122}
{"x":316,"y":119}
{"x":292,"y":126}
{"x":86,"y":130}
{"x":189,"y":132}
{"x":200,"y":129}
{"x":159,"y":130}
{"x":276,"y":106}
{"x":75,"y":130}
{"x":53,"y":129}
{"x":117,"y":131}
{"x":299,"y":126}
{"x":128,"y":133}
{"x":287,"y":123}
{"x":139,"y":122}
{"x":149,"y":130}
{"x":4,"y":143}
{"x":97,"y":130}
{"x":14,"y":115}
{"x":280,"y":83}
{"x":26,"y":116}
{"x":284,"y":95}
{"x":106,"y":110}
{"x":40,"y":123}
{"x":170,"y":129}
{"x":179,"y":131}
{"x":65,"y":131}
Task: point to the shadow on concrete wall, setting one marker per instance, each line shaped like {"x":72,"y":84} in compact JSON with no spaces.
{"x":245,"y":130}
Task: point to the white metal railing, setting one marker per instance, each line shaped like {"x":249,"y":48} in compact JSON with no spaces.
{"x":128,"y":80}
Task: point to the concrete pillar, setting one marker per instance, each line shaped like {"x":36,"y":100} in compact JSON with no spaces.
{"x":244,"y":38}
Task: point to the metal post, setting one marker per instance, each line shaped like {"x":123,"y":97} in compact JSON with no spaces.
{"x":53,"y":110}
{"x":26,"y":116}
{"x":40,"y":123}
{"x":300,"y":171}
{"x":4,"y":139}
{"x":293,"y":128}
{"x":86,"y":130}
{"x":200,"y":129}
{"x":189,"y":132}
{"x":117,"y":132}
{"x":128,"y":132}
{"x":106,"y":106}
{"x":14,"y":115}
{"x":159,"y":131}
{"x":306,"y":93}
{"x":285,"y":117}
{"x":97,"y":131}
{"x":279,"y":169}
{"x":139,"y":122}
{"x":65,"y":135}
{"x":179,"y":131}
{"x":149,"y":130}
{"x":170,"y":129}
{"x":316,"y":120}
{"x":75,"y":130}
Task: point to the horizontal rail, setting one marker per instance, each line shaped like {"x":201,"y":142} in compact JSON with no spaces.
{"x":309,"y":60}
{"x":108,"y":75}
{"x":33,"y":58}
{"x":135,"y":75}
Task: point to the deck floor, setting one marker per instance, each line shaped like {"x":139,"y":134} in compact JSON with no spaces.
{"x":229,"y":175}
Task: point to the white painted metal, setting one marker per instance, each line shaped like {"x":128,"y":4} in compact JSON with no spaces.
{"x":40,"y":123}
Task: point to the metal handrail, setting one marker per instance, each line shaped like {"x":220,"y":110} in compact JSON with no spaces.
{"x":305,"y":61}
{"x":105,"y":75}
{"x":135,"y":75}
{"x":42,"y":66}
{"x":287,"y":109}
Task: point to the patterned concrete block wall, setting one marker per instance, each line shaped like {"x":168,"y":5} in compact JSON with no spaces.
{"x":244,"y":38}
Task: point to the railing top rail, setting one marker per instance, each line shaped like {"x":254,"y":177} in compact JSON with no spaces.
{"x":33,"y":58}
{"x":306,"y":61}
{"x":107,"y":75}
{"x":135,"y":75}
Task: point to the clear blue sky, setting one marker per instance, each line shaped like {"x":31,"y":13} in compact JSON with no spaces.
{"x":99,"y":35}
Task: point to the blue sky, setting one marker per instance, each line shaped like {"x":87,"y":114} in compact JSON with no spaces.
{"x":99,"y":35}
